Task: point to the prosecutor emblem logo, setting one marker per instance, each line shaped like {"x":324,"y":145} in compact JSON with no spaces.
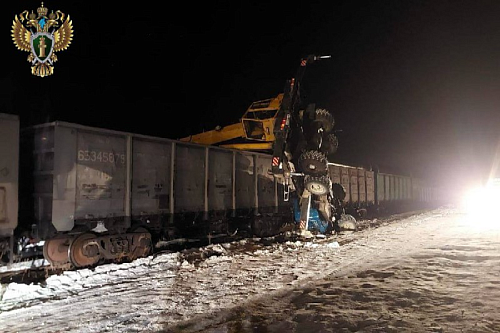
{"x":42,"y":35}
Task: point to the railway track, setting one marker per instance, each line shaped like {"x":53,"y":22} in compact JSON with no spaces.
{"x":38,"y":270}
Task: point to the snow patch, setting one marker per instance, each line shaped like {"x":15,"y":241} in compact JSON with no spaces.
{"x":72,"y":282}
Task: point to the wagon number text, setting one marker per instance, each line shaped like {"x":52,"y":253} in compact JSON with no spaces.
{"x":101,"y":156}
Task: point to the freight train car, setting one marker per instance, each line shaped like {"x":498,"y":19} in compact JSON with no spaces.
{"x":370,"y":190}
{"x":91,"y":194}
{"x":101,"y":194}
{"x":358,"y":183}
{"x":9,"y":170}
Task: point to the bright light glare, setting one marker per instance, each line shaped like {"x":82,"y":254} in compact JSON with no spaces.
{"x":481,"y":206}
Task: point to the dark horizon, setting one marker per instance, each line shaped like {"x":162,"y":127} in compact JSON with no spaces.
{"x":414,"y":86}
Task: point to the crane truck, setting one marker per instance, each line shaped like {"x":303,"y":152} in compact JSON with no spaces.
{"x":300,"y":141}
{"x":303,"y":141}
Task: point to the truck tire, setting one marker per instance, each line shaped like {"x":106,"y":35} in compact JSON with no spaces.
{"x":348,"y":223}
{"x":330,"y":144}
{"x":324,"y":119}
{"x":313,"y":162}
{"x":338,"y":191}
{"x":314,"y":141}
{"x":318,"y":185}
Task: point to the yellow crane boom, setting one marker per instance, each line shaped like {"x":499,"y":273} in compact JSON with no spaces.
{"x":253,"y":132}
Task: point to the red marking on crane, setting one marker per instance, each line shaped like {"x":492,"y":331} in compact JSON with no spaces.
{"x":276,"y":161}
{"x":303,"y":224}
{"x":283,"y":123}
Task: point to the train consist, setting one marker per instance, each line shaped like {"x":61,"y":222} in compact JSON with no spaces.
{"x":94,"y":195}
{"x":9,"y":182}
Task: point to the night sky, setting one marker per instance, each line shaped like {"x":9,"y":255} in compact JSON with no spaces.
{"x":413,"y":85}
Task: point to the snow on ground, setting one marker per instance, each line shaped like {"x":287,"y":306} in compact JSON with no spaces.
{"x":445,"y":279}
{"x":430,"y":272}
{"x":21,"y":266}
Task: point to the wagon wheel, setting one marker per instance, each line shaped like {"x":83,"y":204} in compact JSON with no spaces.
{"x":259,"y":227}
{"x":141,"y":242}
{"x":55,"y":250}
{"x":83,"y":251}
{"x":313,"y":162}
{"x":317,"y":185}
